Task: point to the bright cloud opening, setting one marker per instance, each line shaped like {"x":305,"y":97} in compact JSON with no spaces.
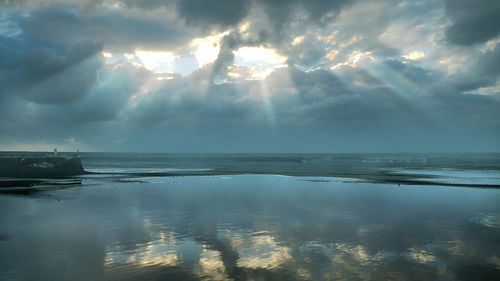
{"x":244,"y":27}
{"x":355,"y":59}
{"x":251,"y":56}
{"x":260,"y":61}
{"x":331,"y":55}
{"x":415,"y":55}
{"x":207,"y":51}
{"x":107,"y":54}
{"x":298,"y":40}
{"x":207,"y":48}
{"x":159,"y":62}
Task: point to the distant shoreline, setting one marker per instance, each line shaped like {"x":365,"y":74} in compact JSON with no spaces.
{"x":422,"y":169}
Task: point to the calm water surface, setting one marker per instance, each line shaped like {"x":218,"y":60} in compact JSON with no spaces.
{"x":250,"y":227}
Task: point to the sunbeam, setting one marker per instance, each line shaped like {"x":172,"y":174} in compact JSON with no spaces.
{"x":268,"y":105}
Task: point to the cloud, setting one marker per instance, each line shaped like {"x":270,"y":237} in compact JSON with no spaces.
{"x":106,"y":99}
{"x":377,"y":74}
{"x":39,"y":74}
{"x":483,"y":70}
{"x":225,"y":13}
{"x":147,"y":4}
{"x":114,"y":29}
{"x":472,"y":21}
{"x":222,"y":12}
{"x":282,"y":12}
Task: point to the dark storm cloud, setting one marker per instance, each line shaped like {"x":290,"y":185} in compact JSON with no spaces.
{"x":113,"y":29}
{"x":51,"y":91}
{"x":314,"y":98}
{"x":222,"y":12}
{"x":317,"y":85}
{"x":54,"y":83}
{"x":474,"y":21}
{"x":417,"y":74}
{"x":230,"y":12}
{"x":271,"y":31}
{"x":316,"y":107}
{"x":228,"y":44}
{"x":487,"y":66}
{"x":194,"y":101}
{"x":325,"y":99}
{"x":42,"y":76}
{"x":483,"y":71}
{"x":147,"y":4}
{"x":308,"y":57}
{"x":323,"y":106}
{"x":336,"y":100}
{"x":226,"y":56}
{"x":107,"y":99}
{"x":281,"y":12}
{"x":360,"y":27}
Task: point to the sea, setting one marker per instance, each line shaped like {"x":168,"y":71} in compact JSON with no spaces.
{"x":337,"y":216}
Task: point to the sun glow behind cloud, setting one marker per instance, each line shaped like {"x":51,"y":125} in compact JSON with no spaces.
{"x":107,"y":55}
{"x":298,"y":40}
{"x":207,"y":48}
{"x":159,"y":62}
{"x":355,"y":59}
{"x":415,"y":55}
{"x":250,"y":63}
{"x":261,"y":61}
{"x":258,"y":55}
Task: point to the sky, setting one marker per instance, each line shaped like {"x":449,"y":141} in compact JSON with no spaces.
{"x":250,"y":75}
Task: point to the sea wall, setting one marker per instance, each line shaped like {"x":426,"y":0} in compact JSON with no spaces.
{"x":40,"y":167}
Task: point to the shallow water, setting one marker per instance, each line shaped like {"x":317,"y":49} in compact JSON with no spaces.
{"x":250,"y":227}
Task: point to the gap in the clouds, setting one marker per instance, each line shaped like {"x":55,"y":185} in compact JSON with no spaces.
{"x":250,"y":63}
{"x":184,"y":60}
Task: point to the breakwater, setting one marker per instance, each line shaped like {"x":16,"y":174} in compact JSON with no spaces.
{"x":40,"y":167}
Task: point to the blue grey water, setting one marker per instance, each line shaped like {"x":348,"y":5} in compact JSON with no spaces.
{"x":236,"y":223}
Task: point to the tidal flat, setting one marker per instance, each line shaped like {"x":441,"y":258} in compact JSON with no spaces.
{"x":250,"y":227}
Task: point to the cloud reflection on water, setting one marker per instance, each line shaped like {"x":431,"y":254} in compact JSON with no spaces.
{"x":251,"y":227}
